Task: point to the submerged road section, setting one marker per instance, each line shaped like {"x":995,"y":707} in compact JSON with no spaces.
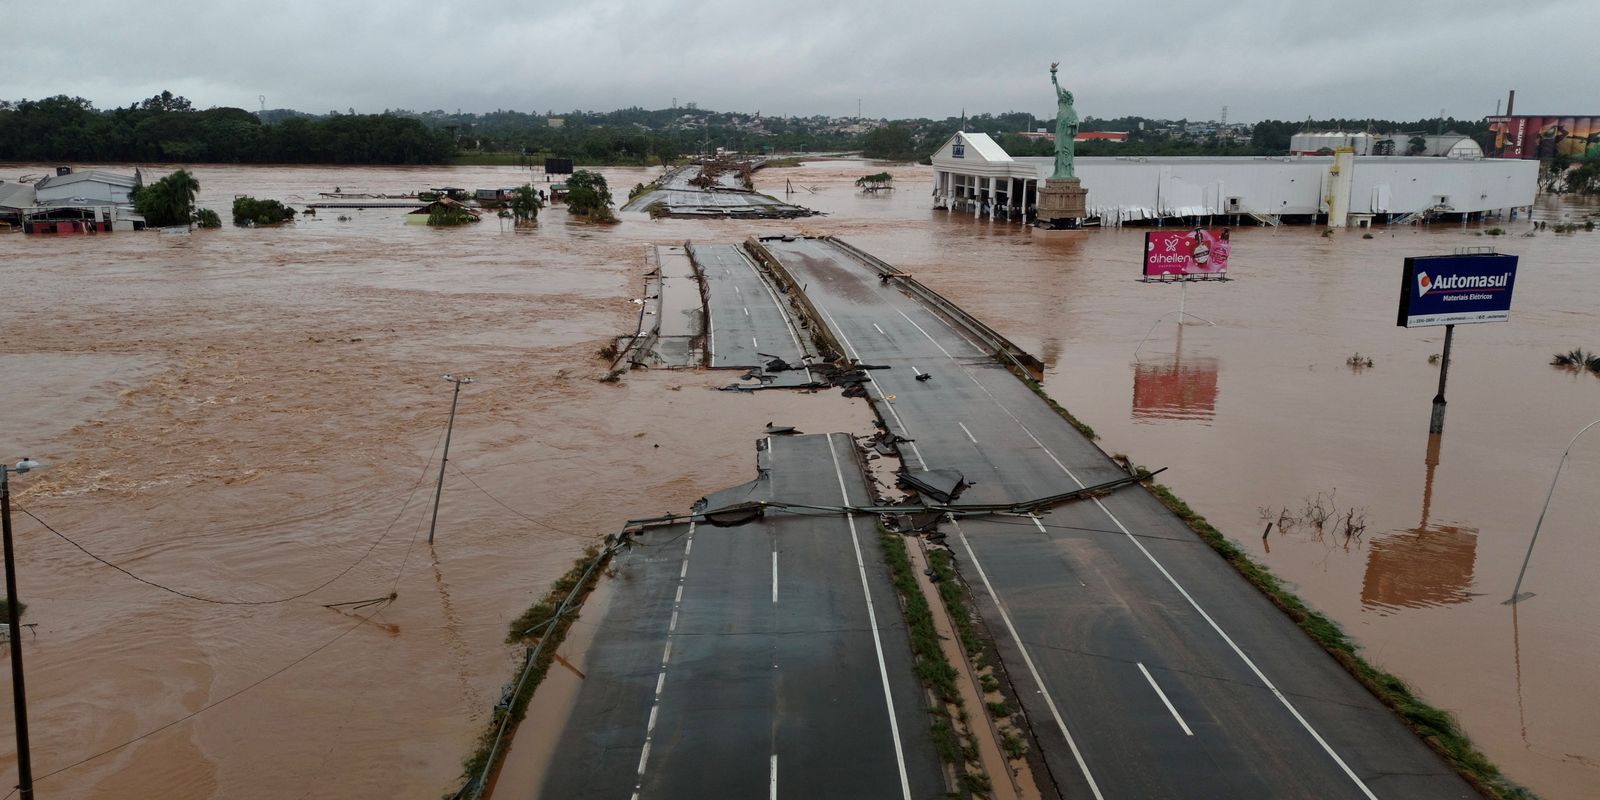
{"x":1146,"y":665}
{"x":767,"y":659}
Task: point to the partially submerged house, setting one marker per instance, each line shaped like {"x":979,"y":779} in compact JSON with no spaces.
{"x":442,"y":211}
{"x":83,"y":202}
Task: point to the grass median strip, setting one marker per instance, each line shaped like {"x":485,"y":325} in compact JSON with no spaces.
{"x":953,"y":742}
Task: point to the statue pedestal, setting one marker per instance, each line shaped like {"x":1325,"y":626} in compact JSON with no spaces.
{"x":1061,"y":203}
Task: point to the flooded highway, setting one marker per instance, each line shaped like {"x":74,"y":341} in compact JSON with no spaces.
{"x":251,"y":415}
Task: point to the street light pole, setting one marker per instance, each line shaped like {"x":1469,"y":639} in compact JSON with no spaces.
{"x":19,"y":695}
{"x":450,"y":427}
{"x":1516,"y":591}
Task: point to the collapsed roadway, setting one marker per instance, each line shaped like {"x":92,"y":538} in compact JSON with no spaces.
{"x":756,"y":645}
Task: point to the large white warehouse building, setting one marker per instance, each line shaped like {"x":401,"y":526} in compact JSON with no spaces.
{"x":973,"y":173}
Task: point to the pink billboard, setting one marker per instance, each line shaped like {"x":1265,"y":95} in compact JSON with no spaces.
{"x":1197,"y":253}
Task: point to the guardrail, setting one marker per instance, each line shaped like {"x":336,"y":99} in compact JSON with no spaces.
{"x":832,"y":351}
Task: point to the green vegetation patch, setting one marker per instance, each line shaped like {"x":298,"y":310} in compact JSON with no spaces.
{"x":538,"y":622}
{"x":249,"y":211}
{"x":936,"y":673}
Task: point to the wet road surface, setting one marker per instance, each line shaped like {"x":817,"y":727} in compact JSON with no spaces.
{"x":749,"y":327}
{"x":1147,"y":665}
{"x":766,"y":657}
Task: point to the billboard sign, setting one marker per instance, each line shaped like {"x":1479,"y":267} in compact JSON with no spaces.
{"x":1545,"y":137}
{"x":1187,"y":255}
{"x":1447,"y":290}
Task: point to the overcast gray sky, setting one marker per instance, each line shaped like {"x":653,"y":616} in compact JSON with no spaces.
{"x":1281,"y":59}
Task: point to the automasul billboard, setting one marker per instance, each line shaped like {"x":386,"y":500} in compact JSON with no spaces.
{"x":1447,"y":290}
{"x":1187,"y":254}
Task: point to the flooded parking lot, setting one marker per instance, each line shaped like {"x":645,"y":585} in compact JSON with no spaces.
{"x":244,"y":415}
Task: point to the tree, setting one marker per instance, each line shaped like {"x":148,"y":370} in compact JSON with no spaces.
{"x":525,"y":203}
{"x":248,"y":211}
{"x":1417,"y":146}
{"x":169,"y":201}
{"x":588,"y":196}
{"x":891,"y":143}
{"x":166,"y":101}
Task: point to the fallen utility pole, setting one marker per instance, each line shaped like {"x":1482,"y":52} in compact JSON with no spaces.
{"x":449,"y":428}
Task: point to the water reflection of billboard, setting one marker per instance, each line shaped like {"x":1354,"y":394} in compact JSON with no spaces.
{"x":1198,"y":253}
{"x":1175,"y":391}
{"x":1420,"y":568}
{"x":1545,"y":137}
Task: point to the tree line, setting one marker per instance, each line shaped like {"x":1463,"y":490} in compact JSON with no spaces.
{"x":168,"y":128}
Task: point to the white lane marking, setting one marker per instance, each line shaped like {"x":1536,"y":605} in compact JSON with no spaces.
{"x":874,"y":384}
{"x":1282,"y":698}
{"x":736,"y":290}
{"x":788,"y":321}
{"x":1027,"y":659}
{"x":746,"y":310}
{"x":774,"y":576}
{"x":754,"y":343}
{"x":1039,"y":525}
{"x":1164,"y":700}
{"x":878,"y":329}
{"x":968,"y":433}
{"x":914,"y":370}
{"x":661,"y":676}
{"x":872,"y":622}
{"x":773,"y":792}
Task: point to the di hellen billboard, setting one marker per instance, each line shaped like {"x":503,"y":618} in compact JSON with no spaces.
{"x":1450,"y":290}
{"x":1187,"y":255}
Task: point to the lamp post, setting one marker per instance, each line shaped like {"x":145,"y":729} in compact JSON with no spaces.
{"x":19,"y":696}
{"x":439,"y":490}
{"x":1516,"y":591}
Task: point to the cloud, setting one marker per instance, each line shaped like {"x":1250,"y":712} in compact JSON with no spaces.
{"x":1166,"y":58}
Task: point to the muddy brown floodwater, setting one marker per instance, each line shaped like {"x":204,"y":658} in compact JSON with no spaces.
{"x":252,"y":416}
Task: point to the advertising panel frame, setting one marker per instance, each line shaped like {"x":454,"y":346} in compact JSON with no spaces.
{"x":1198,"y":254}
{"x":1456,"y":289}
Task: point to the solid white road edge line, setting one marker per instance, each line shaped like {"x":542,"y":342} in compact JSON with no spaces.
{"x":1028,"y":661}
{"x":872,"y":622}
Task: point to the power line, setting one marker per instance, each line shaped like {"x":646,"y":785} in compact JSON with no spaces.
{"x":218,"y":601}
{"x":502,"y":504}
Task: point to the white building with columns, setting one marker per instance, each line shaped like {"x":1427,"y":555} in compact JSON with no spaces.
{"x":972,"y":173}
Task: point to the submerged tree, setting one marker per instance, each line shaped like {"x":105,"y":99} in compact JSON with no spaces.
{"x":250,"y":211}
{"x":169,"y":201}
{"x":525,"y":203}
{"x":588,"y":196}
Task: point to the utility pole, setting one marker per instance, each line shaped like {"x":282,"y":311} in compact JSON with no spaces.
{"x":19,"y":695}
{"x":449,"y":428}
{"x":1436,"y":419}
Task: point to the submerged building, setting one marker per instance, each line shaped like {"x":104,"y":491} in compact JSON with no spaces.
{"x":82,"y":202}
{"x":972,"y":173}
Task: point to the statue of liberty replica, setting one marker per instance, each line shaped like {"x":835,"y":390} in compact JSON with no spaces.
{"x":1066,"y":127}
{"x":1062,"y":197}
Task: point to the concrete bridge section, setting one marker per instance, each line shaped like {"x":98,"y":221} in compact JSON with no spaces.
{"x":1147,"y":666}
{"x":766,"y":660}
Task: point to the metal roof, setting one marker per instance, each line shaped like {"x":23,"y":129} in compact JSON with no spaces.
{"x":16,"y":195}
{"x":97,"y":176}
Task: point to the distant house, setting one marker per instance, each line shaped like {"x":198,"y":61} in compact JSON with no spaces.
{"x":1101,"y":136}
{"x":444,"y":206}
{"x":79,"y":202}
